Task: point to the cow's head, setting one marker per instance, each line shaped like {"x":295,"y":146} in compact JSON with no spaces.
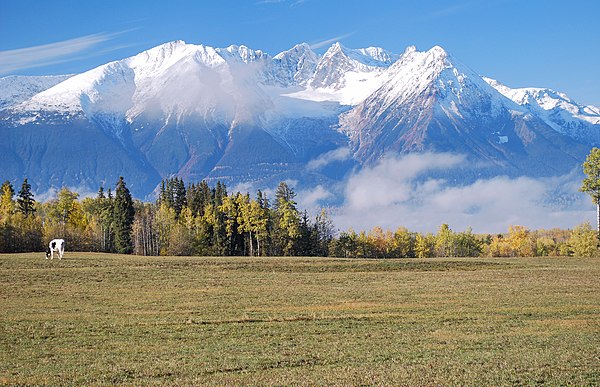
{"x":48,"y":253}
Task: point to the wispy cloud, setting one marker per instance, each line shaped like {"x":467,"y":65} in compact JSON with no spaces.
{"x":327,"y":42}
{"x":339,"y":154}
{"x":53,"y":53}
{"x":311,"y":199}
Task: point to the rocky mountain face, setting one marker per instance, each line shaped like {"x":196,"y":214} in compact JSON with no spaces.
{"x":243,"y":117}
{"x":432,"y":103}
{"x":556,"y":109}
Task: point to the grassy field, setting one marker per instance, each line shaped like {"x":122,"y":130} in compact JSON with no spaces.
{"x":106,"y":319}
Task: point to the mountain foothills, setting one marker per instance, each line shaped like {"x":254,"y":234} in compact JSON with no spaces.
{"x":243,"y":117}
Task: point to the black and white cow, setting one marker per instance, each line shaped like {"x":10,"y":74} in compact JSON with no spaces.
{"x":55,"y":245}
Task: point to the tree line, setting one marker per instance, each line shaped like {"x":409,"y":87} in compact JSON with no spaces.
{"x":197,"y":219}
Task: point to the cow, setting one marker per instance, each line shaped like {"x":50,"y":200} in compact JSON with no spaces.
{"x":55,"y":245}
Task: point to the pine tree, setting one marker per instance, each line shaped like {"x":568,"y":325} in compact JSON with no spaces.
{"x":180,"y":196}
{"x":25,"y":202}
{"x":123,"y":215}
{"x":220,"y":192}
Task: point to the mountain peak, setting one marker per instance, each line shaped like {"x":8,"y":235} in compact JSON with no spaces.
{"x":336,"y":49}
{"x":557,"y":110}
{"x":298,"y":49}
{"x":243,"y":53}
{"x":409,"y":50}
{"x":438,"y":51}
{"x":337,"y":46}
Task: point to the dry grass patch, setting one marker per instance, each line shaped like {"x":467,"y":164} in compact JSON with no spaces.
{"x":106,"y":319}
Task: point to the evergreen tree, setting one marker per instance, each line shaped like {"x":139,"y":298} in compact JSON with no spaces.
{"x":205,"y":195}
{"x":180,"y":196}
{"x":123,"y":216}
{"x":220,"y":192}
{"x":307,"y":239}
{"x":197,"y":198}
{"x":345,"y":246}
{"x":193,"y":199}
{"x":25,"y":202}
{"x":162,"y":196}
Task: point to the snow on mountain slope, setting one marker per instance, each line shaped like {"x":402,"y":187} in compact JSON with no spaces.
{"x":238,"y":114}
{"x":105,"y":88}
{"x":417,"y":82}
{"x":233,"y":84}
{"x":15,"y":89}
{"x":346,"y":76}
{"x":174,"y":78}
{"x":431,"y":102}
{"x":435,"y":72}
{"x":338,"y":61}
{"x":295,"y":66}
{"x":557,"y":110}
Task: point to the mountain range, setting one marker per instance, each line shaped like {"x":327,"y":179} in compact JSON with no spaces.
{"x":242,"y":116}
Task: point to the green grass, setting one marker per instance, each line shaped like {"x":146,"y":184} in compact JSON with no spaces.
{"x":105,"y":319}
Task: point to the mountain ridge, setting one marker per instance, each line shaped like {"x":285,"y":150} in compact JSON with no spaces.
{"x":201,"y":112}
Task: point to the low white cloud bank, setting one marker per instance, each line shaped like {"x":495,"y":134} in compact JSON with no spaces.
{"x":392,"y":195}
{"x":339,"y":154}
{"x":310,"y":199}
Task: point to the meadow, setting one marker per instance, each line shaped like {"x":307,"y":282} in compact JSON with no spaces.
{"x":118,"y":319}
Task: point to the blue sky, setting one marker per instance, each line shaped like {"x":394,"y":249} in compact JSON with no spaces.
{"x":551,"y":43}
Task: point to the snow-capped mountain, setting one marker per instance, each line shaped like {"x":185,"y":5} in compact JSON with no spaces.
{"x":241,"y":116}
{"x":346,"y":76}
{"x":296,"y":65}
{"x":557,"y":110}
{"x":338,"y":62}
{"x":431,"y":102}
